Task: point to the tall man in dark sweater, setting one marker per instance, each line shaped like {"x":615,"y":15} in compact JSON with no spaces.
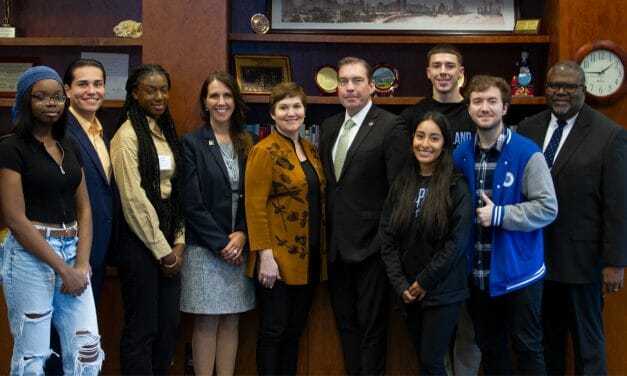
{"x":444,"y":70}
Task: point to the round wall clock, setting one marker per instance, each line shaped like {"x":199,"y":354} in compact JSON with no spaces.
{"x":603,"y":63}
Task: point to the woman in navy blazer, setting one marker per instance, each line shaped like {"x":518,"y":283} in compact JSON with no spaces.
{"x":214,"y":287}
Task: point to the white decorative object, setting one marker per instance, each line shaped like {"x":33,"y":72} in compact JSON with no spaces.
{"x":128,"y":29}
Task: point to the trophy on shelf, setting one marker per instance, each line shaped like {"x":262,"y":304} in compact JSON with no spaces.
{"x":6,"y":30}
{"x":521,"y":81}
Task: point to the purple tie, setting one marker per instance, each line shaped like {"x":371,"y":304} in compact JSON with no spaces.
{"x":551,"y":148}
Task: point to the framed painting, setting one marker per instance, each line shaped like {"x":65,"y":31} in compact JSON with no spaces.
{"x":418,"y":16}
{"x":258,"y":74}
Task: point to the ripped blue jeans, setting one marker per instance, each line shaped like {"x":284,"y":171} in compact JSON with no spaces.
{"x":32,"y":291}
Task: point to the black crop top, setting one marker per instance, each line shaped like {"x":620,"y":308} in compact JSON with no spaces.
{"x":48,"y":188}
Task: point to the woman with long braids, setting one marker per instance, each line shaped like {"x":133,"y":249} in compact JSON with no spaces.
{"x":424,"y":230}
{"x":146,"y":160}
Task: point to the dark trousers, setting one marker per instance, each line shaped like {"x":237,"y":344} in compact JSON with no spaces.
{"x":283,"y":313}
{"x":577,"y":309}
{"x":151,"y":310}
{"x":430,"y":330}
{"x":359,"y":295}
{"x":514,"y":316}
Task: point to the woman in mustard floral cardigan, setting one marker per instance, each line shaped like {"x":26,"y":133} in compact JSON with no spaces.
{"x":285,"y":189}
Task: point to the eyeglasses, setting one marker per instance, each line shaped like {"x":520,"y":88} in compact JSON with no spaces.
{"x":46,"y":99}
{"x":569,"y":88}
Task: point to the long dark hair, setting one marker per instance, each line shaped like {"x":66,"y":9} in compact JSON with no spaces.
{"x":434,"y":212}
{"x":242,"y":140}
{"x":169,"y":211}
{"x":23,"y":126}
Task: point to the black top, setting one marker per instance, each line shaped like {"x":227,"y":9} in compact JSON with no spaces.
{"x":48,"y":188}
{"x":462,"y":125}
{"x":438,"y":266}
{"x":313,"y":200}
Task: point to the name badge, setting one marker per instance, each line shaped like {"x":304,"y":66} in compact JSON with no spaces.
{"x":165,"y":163}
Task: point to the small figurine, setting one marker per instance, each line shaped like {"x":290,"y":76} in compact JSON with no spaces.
{"x":521,"y":81}
{"x":523,"y":65}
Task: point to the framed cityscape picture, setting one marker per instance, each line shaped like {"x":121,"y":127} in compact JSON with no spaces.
{"x":418,"y":16}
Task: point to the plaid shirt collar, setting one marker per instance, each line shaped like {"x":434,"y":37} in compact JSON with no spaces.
{"x":500,"y":141}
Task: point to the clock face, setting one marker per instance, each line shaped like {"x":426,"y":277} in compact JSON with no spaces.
{"x":604,"y":71}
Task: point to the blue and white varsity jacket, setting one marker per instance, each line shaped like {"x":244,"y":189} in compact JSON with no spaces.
{"x":524,"y":202}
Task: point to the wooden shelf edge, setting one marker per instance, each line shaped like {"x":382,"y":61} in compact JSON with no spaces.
{"x":394,"y":39}
{"x":392,"y":101}
{"x":263,"y":99}
{"x":110,"y":103}
{"x":86,"y":42}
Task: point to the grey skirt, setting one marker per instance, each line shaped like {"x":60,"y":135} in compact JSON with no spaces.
{"x":213,"y":287}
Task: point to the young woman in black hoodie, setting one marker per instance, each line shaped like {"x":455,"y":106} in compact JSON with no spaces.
{"x":424,"y":230}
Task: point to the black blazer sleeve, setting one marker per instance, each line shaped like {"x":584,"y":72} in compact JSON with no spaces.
{"x":614,"y":188}
{"x":199,"y":218}
{"x":392,"y":248}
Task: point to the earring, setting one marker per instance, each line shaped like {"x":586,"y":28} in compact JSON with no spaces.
{"x":206,"y":109}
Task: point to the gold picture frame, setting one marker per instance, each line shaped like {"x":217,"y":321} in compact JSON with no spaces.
{"x":530,"y":26}
{"x":258,"y":74}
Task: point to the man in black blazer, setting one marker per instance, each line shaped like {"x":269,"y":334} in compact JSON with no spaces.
{"x":586,"y":246}
{"x":373,"y":145}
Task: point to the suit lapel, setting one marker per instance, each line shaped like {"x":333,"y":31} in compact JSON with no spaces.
{"x":214,"y":150}
{"x":83,"y":140}
{"x":537,"y":134}
{"x":577,"y":135}
{"x":332,"y":138}
{"x":362,"y":133}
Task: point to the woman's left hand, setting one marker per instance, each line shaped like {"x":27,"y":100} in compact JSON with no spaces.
{"x":232,"y":252}
{"x":268,"y":272}
{"x":417,"y":291}
{"x":174,"y":268}
{"x":75,"y":281}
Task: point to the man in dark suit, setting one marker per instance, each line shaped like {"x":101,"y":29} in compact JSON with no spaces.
{"x":586,"y":247}
{"x":84,"y":83}
{"x":362,"y":149}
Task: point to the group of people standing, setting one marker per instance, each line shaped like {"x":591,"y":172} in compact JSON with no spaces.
{"x":504,"y":243}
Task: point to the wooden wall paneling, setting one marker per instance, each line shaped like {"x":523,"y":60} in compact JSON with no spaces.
{"x":572,"y":23}
{"x":323,"y":343}
{"x":189,"y":38}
